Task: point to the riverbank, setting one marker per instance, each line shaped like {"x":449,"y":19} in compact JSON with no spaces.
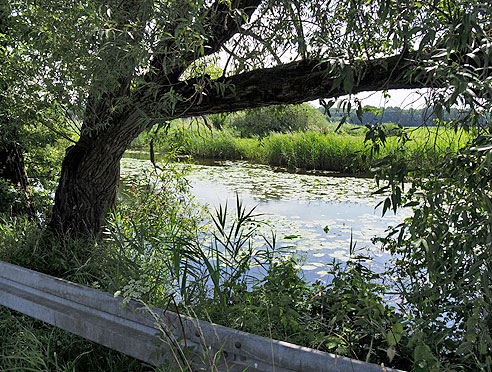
{"x":322,"y":149}
{"x":152,"y":251}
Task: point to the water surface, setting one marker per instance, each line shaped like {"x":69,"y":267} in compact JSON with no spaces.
{"x":318,"y":216}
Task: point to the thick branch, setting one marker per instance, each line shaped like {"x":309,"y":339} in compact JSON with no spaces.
{"x":293,"y":83}
{"x":222,"y":21}
{"x":225,"y":22}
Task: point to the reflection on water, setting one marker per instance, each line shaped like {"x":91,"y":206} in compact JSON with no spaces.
{"x":317,"y":215}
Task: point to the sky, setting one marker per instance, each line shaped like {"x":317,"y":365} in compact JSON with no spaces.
{"x":403,"y":98}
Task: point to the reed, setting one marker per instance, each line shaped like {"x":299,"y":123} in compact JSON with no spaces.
{"x":320,"y":148}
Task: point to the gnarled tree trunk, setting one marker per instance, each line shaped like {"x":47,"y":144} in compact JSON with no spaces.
{"x":89,"y":179}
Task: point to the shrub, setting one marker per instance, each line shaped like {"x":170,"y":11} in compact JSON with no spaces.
{"x":442,"y":262}
{"x":262,"y":121}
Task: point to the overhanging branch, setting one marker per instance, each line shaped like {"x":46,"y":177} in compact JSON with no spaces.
{"x":294,"y":83}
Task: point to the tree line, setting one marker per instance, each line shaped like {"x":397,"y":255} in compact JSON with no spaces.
{"x":405,"y":117}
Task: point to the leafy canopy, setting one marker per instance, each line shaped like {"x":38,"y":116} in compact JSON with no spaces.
{"x":134,"y":54}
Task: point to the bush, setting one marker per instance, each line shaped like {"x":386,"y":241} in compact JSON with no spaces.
{"x":442,"y":263}
{"x":352,"y":316}
{"x":262,"y":121}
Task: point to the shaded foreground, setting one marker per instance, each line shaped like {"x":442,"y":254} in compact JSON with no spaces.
{"x":158,"y":248}
{"x":157,"y":336}
{"x":154,"y":251}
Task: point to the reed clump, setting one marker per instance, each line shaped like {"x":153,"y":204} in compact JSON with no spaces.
{"x":325,"y":147}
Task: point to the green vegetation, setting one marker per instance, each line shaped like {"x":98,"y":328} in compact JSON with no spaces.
{"x":289,"y":118}
{"x":319,"y":146}
{"x":154,"y":250}
{"x":159,"y":245}
{"x":30,"y":345}
{"x":443,"y":265}
{"x":105,"y":72}
{"x":97,"y":74}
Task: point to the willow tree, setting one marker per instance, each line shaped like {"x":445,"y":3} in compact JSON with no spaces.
{"x":123,"y":66}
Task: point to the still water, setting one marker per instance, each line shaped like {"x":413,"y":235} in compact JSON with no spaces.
{"x":317,"y":216}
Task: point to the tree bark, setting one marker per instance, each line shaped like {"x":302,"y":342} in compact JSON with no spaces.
{"x":294,"y":83}
{"x":90,"y":173}
{"x":89,"y":179}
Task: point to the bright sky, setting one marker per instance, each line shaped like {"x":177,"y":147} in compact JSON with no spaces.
{"x":403,"y":98}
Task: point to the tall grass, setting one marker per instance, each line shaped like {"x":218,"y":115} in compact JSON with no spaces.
{"x":312,"y":150}
{"x":331,"y":151}
{"x":427,"y":147}
{"x":27,"y":344}
{"x":320,"y":148}
{"x":222,"y":145}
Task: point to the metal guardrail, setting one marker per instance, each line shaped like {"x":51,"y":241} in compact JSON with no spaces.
{"x":154,"y":335}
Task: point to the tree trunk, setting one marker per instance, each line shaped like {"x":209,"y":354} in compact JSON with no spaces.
{"x":89,"y":180}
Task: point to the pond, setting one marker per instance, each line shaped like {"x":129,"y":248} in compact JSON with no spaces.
{"x":317,"y":216}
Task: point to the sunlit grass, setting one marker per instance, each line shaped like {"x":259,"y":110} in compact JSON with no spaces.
{"x":321,"y":148}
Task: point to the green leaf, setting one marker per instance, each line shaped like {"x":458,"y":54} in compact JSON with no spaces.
{"x":293,"y":236}
{"x":397,"y":328}
{"x":387,"y":205}
{"x":427,"y":39}
{"x":393,"y":338}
